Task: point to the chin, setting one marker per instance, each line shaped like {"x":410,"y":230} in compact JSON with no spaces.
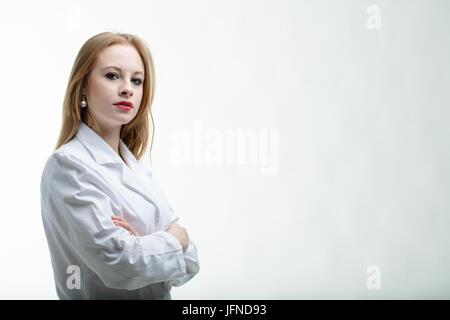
{"x":126,"y":120}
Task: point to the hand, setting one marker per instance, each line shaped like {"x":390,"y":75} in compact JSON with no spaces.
{"x":121,"y":222}
{"x":180,"y":233}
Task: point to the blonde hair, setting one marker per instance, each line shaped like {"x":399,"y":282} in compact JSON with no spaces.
{"x":135,"y":133}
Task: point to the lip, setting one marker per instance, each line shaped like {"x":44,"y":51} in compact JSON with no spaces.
{"x":123,"y":107}
{"x":124,"y":103}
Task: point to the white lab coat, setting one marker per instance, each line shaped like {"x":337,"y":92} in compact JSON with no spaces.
{"x":83,"y":184}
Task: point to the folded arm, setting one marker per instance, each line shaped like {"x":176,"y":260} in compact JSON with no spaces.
{"x":81,"y":202}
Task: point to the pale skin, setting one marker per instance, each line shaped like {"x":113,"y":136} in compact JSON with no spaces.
{"x":118,"y":75}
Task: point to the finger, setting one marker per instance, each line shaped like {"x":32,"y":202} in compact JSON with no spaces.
{"x":126,"y":226}
{"x":119,"y":219}
{"x":122,"y":224}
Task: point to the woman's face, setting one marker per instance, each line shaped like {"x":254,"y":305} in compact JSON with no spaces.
{"x":118,"y":75}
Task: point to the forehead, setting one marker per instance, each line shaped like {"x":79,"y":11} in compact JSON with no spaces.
{"x":121,"y":56}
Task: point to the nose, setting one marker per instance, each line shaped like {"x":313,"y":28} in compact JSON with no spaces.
{"x":126,"y":90}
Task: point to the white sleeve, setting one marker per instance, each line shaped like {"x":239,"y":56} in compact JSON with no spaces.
{"x":190,"y":257}
{"x":81,"y":203}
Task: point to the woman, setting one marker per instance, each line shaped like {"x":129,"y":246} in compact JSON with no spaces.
{"x":110,"y":229}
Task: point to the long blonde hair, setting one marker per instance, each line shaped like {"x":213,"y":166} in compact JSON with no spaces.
{"x":134,"y":134}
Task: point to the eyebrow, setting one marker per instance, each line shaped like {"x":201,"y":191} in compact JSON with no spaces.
{"x":136,"y":72}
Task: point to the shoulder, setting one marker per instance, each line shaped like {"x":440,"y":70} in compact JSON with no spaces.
{"x":74,"y":149}
{"x":68,"y":160}
{"x":69,"y":170}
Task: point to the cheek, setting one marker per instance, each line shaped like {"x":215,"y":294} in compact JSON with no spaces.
{"x":104,"y":87}
{"x":139,"y":96}
{"x":101,"y":92}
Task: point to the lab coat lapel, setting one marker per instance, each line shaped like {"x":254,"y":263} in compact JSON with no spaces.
{"x":136,"y":182}
{"x":134,"y":178}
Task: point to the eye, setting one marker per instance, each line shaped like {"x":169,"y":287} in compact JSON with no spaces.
{"x":110,"y":75}
{"x":138,"y":80}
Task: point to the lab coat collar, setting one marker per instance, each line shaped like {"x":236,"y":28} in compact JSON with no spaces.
{"x":103,"y":154}
{"x":101,"y":151}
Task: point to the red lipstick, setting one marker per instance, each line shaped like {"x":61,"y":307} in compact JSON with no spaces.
{"x":124,"y":105}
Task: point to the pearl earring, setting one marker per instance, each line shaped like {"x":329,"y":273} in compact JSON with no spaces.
{"x":83,"y":102}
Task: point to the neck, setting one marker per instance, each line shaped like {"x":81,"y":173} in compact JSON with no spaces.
{"x":112,"y":137}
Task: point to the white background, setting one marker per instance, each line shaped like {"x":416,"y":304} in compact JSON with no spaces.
{"x":363,"y":140}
